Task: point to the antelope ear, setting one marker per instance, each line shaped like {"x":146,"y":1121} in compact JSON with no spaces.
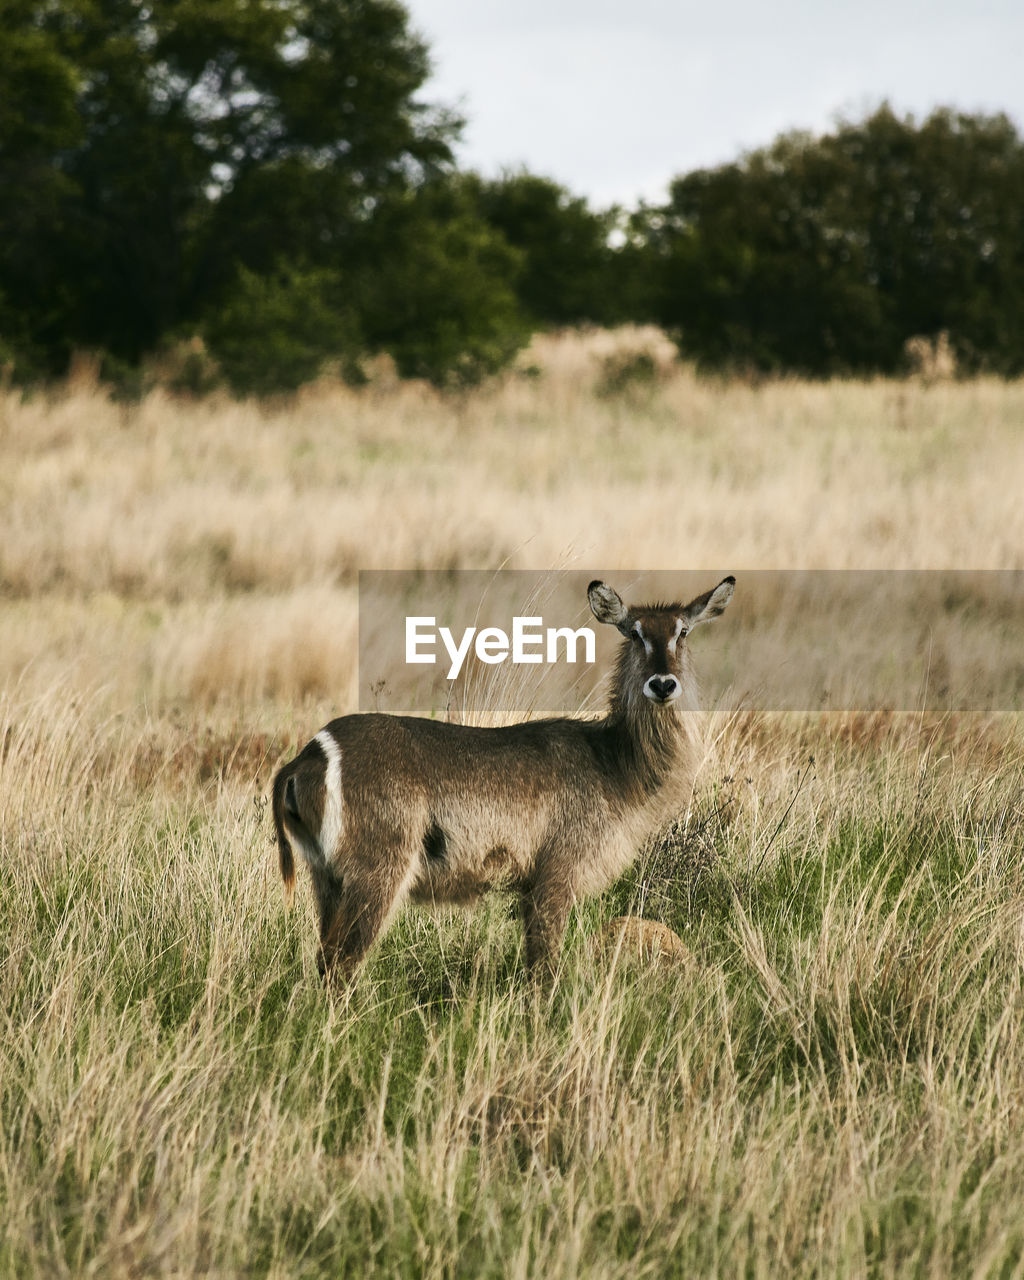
{"x":606,"y":604}
{"x":711,"y":603}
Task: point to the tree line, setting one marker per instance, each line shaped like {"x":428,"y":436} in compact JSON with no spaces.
{"x":264,"y":175}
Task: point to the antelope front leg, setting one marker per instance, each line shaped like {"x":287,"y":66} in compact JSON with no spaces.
{"x":545,"y":905}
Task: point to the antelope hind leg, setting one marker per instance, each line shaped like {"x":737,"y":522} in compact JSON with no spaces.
{"x":367,"y":901}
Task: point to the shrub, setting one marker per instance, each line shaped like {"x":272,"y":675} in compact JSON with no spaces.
{"x":274,"y":332}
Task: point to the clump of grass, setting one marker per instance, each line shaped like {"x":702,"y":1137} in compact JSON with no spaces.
{"x":628,"y":373}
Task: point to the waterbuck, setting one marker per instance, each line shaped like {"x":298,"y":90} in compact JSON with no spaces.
{"x":389,"y":808}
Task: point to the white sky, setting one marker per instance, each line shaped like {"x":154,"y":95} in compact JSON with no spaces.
{"x":614,"y":99}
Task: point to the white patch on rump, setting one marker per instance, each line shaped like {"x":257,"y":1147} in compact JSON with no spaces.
{"x":333,"y":821}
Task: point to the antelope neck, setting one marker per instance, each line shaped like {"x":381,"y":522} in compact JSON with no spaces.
{"x":647,"y":741}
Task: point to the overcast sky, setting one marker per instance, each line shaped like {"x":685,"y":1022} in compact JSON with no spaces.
{"x":613,"y":99}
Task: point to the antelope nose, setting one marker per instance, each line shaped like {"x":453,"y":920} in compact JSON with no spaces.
{"x":662,"y":688}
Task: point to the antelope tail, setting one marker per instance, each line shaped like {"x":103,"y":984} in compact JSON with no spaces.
{"x":284,"y":845}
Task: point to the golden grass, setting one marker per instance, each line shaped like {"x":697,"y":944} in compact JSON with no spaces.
{"x":836,"y":1087}
{"x":199,"y":542}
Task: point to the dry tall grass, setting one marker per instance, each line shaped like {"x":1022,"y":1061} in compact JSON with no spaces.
{"x":148,"y":540}
{"x":837,"y":1086}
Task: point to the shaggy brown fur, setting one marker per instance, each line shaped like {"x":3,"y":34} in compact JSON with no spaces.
{"x":389,"y":808}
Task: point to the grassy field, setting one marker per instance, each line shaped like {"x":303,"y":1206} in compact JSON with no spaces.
{"x":833,"y":1085}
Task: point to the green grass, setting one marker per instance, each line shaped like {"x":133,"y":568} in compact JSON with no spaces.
{"x":834,"y":1087}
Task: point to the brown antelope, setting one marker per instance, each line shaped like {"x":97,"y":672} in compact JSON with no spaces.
{"x":388,"y":808}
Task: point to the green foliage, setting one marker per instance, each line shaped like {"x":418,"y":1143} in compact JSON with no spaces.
{"x":567,"y":274}
{"x":825,"y":255}
{"x":168,"y":157}
{"x":157,"y":149}
{"x":273,"y":333}
{"x":438,"y":291}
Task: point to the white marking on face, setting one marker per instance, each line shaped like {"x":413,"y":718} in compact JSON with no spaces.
{"x":333,"y":821}
{"x":675,"y":635}
{"x":648,"y":646}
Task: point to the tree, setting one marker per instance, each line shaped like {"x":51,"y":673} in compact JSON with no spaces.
{"x":567,"y":274}
{"x":825,"y":255}
{"x":156,"y":148}
{"x":429,"y":282}
{"x":274,"y":332}
{"x":438,"y":288}
{"x":38,"y":120}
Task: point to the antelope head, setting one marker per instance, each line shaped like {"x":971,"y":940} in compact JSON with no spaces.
{"x":654,"y":659}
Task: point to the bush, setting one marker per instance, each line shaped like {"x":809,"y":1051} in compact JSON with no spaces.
{"x":627,"y":373}
{"x":440,"y":290}
{"x":825,"y":255}
{"x":273,"y":333}
{"x":568,"y":268}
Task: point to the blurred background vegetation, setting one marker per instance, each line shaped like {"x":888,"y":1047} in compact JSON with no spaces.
{"x":248,"y":192}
